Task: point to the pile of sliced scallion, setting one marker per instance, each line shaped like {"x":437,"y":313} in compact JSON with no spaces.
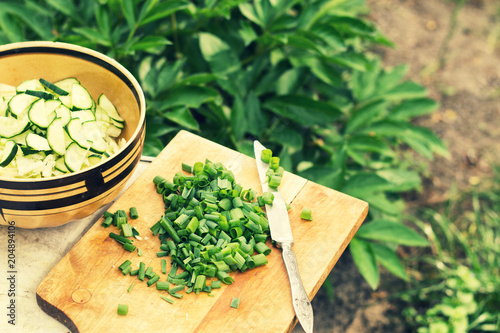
{"x":211,"y":227}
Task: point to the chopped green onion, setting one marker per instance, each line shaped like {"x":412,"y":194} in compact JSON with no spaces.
{"x":169,"y":300}
{"x":153,"y":280}
{"x":162,"y":285}
{"x":122,"y":309}
{"x":149,"y":272}
{"x":259,"y":259}
{"x":133,"y":213}
{"x":129,"y":247}
{"x":262,"y":248}
{"x":127,"y":230}
{"x":235,"y":302}
{"x":107,"y":222}
{"x":268,"y":198}
{"x":126,"y":270}
{"x":186,"y":168}
{"x":164,"y":266}
{"x":176,"y":289}
{"x":266,"y":155}
{"x":120,"y":239}
{"x":130,"y":288}
{"x":306,"y":214}
{"x":124,"y":265}
{"x":216,"y":284}
{"x":142,"y":271}
{"x":274,"y":163}
{"x":274,"y":181}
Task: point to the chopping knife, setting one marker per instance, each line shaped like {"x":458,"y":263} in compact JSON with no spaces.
{"x":281,"y":233}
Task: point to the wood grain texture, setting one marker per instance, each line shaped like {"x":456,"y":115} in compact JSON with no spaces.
{"x":85,"y":287}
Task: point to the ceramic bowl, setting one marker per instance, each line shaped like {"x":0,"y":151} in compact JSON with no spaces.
{"x":50,"y":202}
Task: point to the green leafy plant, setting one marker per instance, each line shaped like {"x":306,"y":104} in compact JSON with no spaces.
{"x":296,"y":74}
{"x":458,"y":289}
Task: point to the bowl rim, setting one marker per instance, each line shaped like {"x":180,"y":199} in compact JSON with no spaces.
{"x":77,"y":51}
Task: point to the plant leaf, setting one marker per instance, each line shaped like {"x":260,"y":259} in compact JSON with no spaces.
{"x":407,"y":89}
{"x":290,"y":81}
{"x":92,"y":35}
{"x":189,"y":96}
{"x":151,"y":44}
{"x":248,"y":10}
{"x":238,"y":119}
{"x":352,"y":60}
{"x":218,"y":54}
{"x":157,"y":12}
{"x":11,"y":28}
{"x":412,"y":108}
{"x":389,"y":259}
{"x":364,"y":258}
{"x":365,"y":115}
{"x":40,"y":26}
{"x":257,"y":120}
{"x":128,"y":11}
{"x":401,"y":180}
{"x":67,"y":7}
{"x":393,"y":232}
{"x":182,"y":116}
{"x":365,"y":182}
{"x":302,"y":109}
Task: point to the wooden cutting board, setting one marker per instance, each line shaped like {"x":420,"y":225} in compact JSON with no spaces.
{"x":85,"y":287}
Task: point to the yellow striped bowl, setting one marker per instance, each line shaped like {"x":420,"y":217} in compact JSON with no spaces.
{"x":50,"y":202}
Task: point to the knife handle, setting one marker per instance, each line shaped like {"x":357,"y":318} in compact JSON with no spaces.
{"x":301,"y":303}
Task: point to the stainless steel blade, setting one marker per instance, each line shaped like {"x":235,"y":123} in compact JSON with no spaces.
{"x":281,"y":232}
{"x":277,"y":214}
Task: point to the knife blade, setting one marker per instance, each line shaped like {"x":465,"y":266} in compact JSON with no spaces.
{"x":281,"y":233}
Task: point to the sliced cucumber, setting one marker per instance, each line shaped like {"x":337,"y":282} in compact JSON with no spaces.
{"x":94,"y":159}
{"x":101,"y":115}
{"x":55,"y":128}
{"x":80,"y":98}
{"x":74,"y":157}
{"x":76,"y":133}
{"x":95,"y":135}
{"x":39,"y":93}
{"x":19,"y":104}
{"x":29,"y":85}
{"x":110,"y":109}
{"x":7,"y":91}
{"x":10,"y":127}
{"x":56,"y":137}
{"x":53,"y":88}
{"x":4,"y":107}
{"x":21,"y":138}
{"x":113,"y":131}
{"x":64,"y":113}
{"x":30,"y":165}
{"x":67,"y":84}
{"x":61,"y":166}
{"x":37,"y":114}
{"x":83,"y":115}
{"x":8,"y":153}
{"x":37,"y":142}
{"x":50,"y":108}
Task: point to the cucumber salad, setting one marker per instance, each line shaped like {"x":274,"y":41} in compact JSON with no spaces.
{"x":49,"y":129}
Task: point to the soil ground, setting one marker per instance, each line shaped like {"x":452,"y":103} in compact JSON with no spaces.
{"x":455,"y":54}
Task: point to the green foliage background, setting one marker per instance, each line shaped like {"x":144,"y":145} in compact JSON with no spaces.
{"x":297,"y":75}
